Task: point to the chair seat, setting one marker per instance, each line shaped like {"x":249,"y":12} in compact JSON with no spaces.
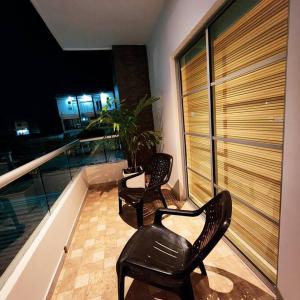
{"x":157,"y":249}
{"x":132,"y":196}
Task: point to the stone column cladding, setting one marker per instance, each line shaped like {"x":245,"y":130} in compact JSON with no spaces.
{"x":131,"y":77}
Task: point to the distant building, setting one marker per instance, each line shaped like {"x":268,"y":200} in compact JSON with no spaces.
{"x":76,"y":111}
{"x":22,"y":128}
{"x":26,"y":127}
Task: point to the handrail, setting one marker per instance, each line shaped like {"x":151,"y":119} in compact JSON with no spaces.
{"x":105,"y":137}
{"x":9,"y":177}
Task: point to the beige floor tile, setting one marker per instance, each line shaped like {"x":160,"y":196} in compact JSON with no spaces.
{"x":110,"y":262}
{"x":95,"y":298}
{"x":90,"y":267}
{"x":64,"y":296}
{"x":98,"y":255}
{"x":81,"y":280}
{"x":101,"y":227}
{"x":76,"y":253}
{"x":89,"y":243}
{"x":80,"y":293}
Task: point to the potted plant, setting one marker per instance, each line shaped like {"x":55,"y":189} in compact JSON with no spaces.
{"x":127,"y":124}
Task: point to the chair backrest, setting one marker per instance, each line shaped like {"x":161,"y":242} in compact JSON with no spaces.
{"x":160,"y":169}
{"x":218,"y":216}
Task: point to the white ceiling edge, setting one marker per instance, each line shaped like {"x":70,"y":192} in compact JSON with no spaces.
{"x":86,"y":49}
{"x":97,"y":49}
{"x":46,"y":17}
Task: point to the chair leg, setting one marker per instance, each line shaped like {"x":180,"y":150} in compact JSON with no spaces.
{"x":186,"y":291}
{"x":121,"y":279}
{"x":120,"y":206}
{"x":202,"y":268}
{"x":139,"y":215}
{"x":162,"y":198}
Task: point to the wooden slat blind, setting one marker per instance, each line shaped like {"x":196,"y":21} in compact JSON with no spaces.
{"x":196,"y":120}
{"x":251,"y":106}
{"x":259,"y":34}
{"x":199,"y":188}
{"x":193,"y":74}
{"x":253,"y":174}
{"x":196,"y":114}
{"x":256,"y":237}
{"x":198,"y":155}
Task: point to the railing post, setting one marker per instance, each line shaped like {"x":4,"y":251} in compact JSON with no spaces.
{"x":68,"y":162}
{"x":44,"y":189}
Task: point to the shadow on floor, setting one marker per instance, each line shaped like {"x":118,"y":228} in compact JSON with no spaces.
{"x":150,"y":206}
{"x":219,"y":284}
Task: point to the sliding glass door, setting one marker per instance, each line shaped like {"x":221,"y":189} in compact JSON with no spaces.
{"x":233,"y":92}
{"x":196,"y":110}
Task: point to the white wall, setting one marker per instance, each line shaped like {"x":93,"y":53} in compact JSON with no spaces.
{"x":289,"y":248}
{"x":177,"y":22}
{"x":101,"y":173}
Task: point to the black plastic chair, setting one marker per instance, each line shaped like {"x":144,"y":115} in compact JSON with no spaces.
{"x":160,"y":172}
{"x":160,"y":257}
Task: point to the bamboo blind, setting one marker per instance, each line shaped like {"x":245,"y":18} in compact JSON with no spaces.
{"x":196,"y":113}
{"x":198,"y":155}
{"x":193,"y":74}
{"x":199,"y":188}
{"x":251,"y":107}
{"x":255,"y":235}
{"x":259,"y":34}
{"x":251,"y":173}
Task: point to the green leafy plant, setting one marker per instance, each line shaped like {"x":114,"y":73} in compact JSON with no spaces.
{"x":127,"y":123}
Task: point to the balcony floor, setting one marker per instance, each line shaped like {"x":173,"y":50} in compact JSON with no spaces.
{"x":89,"y":272}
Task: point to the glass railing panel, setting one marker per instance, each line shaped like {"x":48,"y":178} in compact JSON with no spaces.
{"x":95,"y":151}
{"x":55,"y":175}
{"x":6,"y":162}
{"x":23,"y":205}
{"x":26,"y":200}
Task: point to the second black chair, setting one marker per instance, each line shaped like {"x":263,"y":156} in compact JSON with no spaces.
{"x":160,"y":172}
{"x":160,"y":257}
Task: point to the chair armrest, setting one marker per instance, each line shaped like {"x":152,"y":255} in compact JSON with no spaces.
{"x":177,"y":212}
{"x":124,"y":180}
{"x":155,"y":186}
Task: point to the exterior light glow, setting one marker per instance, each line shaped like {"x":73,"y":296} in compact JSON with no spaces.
{"x":24,"y":131}
{"x":85,"y":98}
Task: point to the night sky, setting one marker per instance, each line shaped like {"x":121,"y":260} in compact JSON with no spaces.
{"x":34,"y":69}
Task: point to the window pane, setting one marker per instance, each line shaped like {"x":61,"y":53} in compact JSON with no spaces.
{"x":196,"y":113}
{"x":256,"y":237}
{"x":247,"y":41}
{"x":251,"y":107}
{"x":252,"y":174}
{"x":193,"y":67}
{"x":260,"y":33}
{"x":199,"y":188}
{"x":198,"y":155}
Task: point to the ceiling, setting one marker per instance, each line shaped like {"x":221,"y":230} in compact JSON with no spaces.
{"x":99,"y":24}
